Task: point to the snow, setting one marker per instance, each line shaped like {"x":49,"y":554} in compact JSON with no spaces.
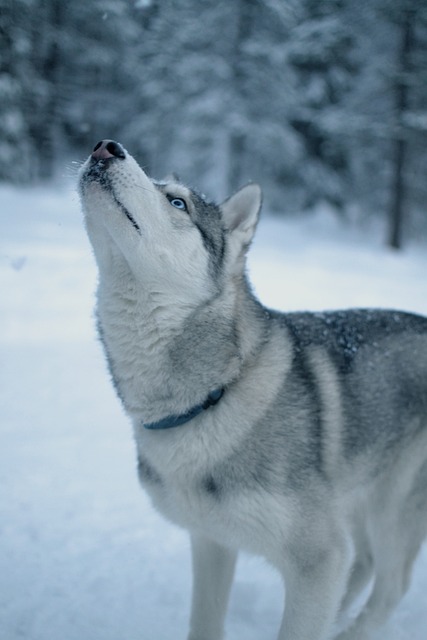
{"x":83,"y":553}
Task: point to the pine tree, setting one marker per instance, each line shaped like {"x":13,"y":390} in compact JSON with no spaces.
{"x":321,"y":56}
{"x":15,"y":77}
{"x":405,"y":80}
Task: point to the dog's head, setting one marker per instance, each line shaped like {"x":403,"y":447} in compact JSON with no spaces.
{"x":168,"y":236}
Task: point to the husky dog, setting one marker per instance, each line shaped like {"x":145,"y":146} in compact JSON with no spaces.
{"x":301,"y":437}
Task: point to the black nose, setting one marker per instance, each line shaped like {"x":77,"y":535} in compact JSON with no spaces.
{"x":108,"y":149}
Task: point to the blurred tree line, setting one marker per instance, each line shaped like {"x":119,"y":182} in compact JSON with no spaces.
{"x":318,"y":100}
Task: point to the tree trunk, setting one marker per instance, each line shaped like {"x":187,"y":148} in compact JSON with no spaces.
{"x":237,"y":135}
{"x":46,"y":109}
{"x":400,"y":143}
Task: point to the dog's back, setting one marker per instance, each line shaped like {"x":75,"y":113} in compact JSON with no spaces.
{"x":380,"y":362}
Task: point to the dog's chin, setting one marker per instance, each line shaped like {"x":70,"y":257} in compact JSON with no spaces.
{"x":97,"y":191}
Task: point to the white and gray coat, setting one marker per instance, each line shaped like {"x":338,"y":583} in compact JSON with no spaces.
{"x":313,"y":453}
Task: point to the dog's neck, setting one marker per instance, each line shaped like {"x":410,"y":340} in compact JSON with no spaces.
{"x":166,"y":356}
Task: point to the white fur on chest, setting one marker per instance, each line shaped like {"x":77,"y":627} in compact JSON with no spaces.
{"x":253,"y":520}
{"x":256,"y":520}
{"x":136,"y":332}
{"x":186,"y":456}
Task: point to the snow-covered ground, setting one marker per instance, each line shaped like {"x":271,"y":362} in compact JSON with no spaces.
{"x":83,"y":556}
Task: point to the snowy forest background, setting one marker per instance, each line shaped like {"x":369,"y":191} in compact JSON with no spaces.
{"x":319,"y":101}
{"x":324,"y":102}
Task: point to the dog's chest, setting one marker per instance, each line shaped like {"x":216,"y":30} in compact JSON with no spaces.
{"x":194,"y":498}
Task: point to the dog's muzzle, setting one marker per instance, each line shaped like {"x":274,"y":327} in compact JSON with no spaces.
{"x":105,"y":152}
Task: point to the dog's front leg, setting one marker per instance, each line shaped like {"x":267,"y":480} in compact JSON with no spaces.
{"x":314,"y":589}
{"x":213,"y":570}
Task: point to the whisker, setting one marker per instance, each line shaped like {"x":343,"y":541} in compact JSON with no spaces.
{"x":72,"y":168}
{"x":145,"y":188}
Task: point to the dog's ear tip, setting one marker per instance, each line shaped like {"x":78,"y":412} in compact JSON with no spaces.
{"x":243,"y":207}
{"x":255,"y":190}
{"x":253,"y":185}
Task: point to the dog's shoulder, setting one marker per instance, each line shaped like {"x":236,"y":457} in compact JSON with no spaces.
{"x":342,"y":334}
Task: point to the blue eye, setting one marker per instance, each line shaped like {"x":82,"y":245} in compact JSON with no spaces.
{"x":178,"y":203}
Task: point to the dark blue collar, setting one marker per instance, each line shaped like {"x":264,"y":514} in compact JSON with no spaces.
{"x":177,"y":420}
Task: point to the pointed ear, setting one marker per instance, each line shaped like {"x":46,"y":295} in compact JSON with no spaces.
{"x":240,"y":212}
